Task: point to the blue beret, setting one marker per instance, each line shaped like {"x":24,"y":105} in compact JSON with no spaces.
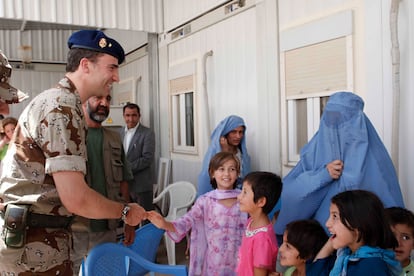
{"x":96,"y":41}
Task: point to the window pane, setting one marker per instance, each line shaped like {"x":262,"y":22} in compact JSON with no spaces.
{"x":189,"y":119}
{"x":323,"y":100}
{"x":301,"y":124}
{"x":177,"y":119}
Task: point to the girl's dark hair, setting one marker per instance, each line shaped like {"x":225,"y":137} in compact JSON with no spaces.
{"x":76,"y":54}
{"x":399,"y":215}
{"x":267,"y":185}
{"x":307,"y":236}
{"x":363,"y":211}
{"x":217,"y":161}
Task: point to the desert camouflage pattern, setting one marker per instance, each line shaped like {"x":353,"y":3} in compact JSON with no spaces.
{"x":50,"y":137}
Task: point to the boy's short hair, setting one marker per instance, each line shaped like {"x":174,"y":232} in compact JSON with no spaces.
{"x":265,"y":184}
{"x":307,"y":236}
{"x":399,"y":215}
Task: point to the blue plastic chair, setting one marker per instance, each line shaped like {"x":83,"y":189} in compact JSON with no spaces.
{"x":109,"y":259}
{"x":146,"y":243}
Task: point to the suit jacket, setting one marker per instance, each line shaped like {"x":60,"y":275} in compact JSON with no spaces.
{"x":140,"y":156}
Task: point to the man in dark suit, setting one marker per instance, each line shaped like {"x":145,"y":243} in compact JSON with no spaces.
{"x":139,"y":144}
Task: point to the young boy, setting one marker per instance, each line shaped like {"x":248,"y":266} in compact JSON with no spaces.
{"x":258,"y":250}
{"x":402,"y":225}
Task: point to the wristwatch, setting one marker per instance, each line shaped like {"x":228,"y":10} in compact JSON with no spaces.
{"x":125,"y":212}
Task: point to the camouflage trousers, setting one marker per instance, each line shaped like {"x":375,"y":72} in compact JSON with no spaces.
{"x":46,"y":252}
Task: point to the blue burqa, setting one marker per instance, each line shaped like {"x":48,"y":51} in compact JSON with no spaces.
{"x":345,"y":133}
{"x":223,"y":128}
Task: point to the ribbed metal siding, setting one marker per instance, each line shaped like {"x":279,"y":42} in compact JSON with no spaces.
{"x":32,"y":83}
{"x":176,"y":12}
{"x":47,"y":45}
{"x":141,"y":15}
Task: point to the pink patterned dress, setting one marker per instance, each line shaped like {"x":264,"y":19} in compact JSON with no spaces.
{"x":216,"y":234}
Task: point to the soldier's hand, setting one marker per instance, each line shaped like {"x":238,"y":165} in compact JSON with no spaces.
{"x":135,"y":215}
{"x":129,"y":234}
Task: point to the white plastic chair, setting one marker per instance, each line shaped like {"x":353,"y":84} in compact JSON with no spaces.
{"x":181,"y":195}
{"x":162,"y":180}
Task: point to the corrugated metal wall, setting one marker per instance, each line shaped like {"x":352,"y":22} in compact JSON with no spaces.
{"x":140,"y":15}
{"x":177,"y":12}
{"x":47,"y":45}
{"x":33,"y":82}
{"x":51,"y":45}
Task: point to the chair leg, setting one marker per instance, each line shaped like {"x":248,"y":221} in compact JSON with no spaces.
{"x":170,"y":247}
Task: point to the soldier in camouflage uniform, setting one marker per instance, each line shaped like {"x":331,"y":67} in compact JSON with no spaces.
{"x":43,"y":183}
{"x":8,"y":93}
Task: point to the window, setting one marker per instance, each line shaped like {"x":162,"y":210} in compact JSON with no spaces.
{"x":182,"y":103}
{"x":183,"y":119}
{"x":312,"y":67}
{"x":303,"y":122}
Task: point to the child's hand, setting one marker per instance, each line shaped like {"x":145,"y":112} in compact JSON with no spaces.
{"x":156,"y":218}
{"x":275,"y":274}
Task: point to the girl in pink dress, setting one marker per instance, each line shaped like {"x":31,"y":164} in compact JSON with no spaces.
{"x":258,"y":251}
{"x":215,"y":221}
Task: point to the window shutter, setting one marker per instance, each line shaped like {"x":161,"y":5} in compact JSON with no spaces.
{"x":315,"y":68}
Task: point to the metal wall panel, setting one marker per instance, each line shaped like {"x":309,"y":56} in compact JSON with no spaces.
{"x":138,"y":69}
{"x":51,"y":45}
{"x":231,"y":81}
{"x":33,"y":82}
{"x":297,"y":11}
{"x":47,"y":45}
{"x":140,"y":15}
{"x":177,"y":12}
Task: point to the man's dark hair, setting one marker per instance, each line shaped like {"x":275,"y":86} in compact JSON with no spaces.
{"x":131,"y":106}
{"x":75,"y":55}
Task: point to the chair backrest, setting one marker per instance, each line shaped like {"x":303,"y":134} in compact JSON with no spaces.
{"x":181,"y":195}
{"x":146,"y":243}
{"x":163,"y":176}
{"x":110,"y":259}
{"x":163,"y":179}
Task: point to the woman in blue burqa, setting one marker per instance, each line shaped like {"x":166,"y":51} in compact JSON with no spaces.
{"x":229,"y":135}
{"x":345,"y":154}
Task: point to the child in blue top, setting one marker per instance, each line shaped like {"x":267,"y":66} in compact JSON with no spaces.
{"x":302,"y":240}
{"x":361,"y":235}
{"x":401,"y":221}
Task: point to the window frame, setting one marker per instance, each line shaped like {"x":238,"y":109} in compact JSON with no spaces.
{"x":182,"y":81}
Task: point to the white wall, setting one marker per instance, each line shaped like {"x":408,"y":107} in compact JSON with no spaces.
{"x":406,"y":33}
{"x":177,"y":12}
{"x":235,"y":83}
